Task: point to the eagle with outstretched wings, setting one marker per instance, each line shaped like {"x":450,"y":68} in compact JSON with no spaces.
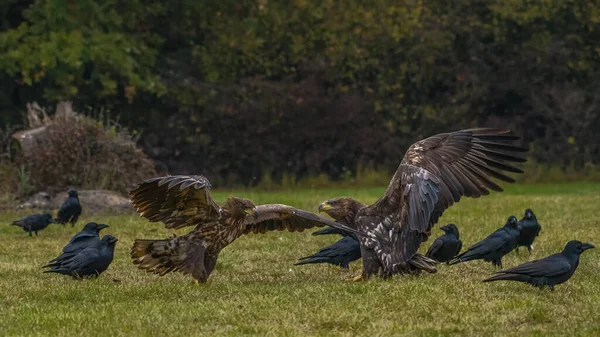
{"x":180,"y":201}
{"x":434,"y":174}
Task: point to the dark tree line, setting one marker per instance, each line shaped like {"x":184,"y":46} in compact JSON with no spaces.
{"x":234,"y":89}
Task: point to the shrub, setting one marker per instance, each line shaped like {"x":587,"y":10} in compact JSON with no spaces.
{"x":75,"y":150}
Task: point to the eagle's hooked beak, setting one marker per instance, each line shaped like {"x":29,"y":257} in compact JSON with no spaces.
{"x":324,"y":206}
{"x":587,"y":246}
{"x":250,"y":211}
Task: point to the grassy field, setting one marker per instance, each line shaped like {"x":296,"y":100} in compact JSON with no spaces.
{"x":256,"y":290}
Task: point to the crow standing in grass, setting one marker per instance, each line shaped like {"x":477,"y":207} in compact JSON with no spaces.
{"x":34,"y":223}
{"x":91,"y":261}
{"x":549,"y":271}
{"x":530,"y":228}
{"x":89,"y":236}
{"x":447,"y":246}
{"x":495,"y":246}
{"x":70,"y":209}
{"x":339,"y":253}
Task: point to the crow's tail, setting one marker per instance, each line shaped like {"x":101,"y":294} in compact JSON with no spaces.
{"x":312,"y":259}
{"x":331,"y":230}
{"x":509,"y":277}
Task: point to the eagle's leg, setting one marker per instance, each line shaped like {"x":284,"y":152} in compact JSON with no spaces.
{"x":371,"y":265}
{"x":210,"y":261}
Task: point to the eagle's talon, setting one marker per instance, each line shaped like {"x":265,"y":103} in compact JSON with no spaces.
{"x":357,"y":278}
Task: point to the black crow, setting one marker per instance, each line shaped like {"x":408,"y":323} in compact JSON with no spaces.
{"x":91,"y":261}
{"x":339,"y":253}
{"x":447,"y":246}
{"x":495,"y":246}
{"x":70,"y":209}
{"x":34,"y":223}
{"x":530,"y":228}
{"x":331,"y":230}
{"x":88,"y":237}
{"x":549,"y":271}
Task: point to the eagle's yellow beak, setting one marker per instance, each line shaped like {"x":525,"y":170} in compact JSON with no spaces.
{"x":250,"y":211}
{"x":324,"y":207}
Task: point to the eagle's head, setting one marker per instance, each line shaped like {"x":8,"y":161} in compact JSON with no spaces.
{"x":239,"y":207}
{"x":341,"y":209}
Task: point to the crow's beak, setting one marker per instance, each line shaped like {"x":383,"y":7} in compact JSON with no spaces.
{"x":250,"y":211}
{"x":324,"y":207}
{"x":587,"y":246}
{"x":101,"y":227}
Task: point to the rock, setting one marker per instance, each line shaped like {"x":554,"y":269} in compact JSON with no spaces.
{"x":91,"y":200}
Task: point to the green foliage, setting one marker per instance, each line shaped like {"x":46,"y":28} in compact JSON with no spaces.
{"x":256,"y":290}
{"x":304,"y":87}
{"x":72,"y":48}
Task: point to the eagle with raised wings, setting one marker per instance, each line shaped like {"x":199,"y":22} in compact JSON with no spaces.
{"x":434,"y":174}
{"x":180,"y":201}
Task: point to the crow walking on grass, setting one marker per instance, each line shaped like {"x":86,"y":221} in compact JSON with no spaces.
{"x":70,"y":209}
{"x":549,"y":271}
{"x":91,"y":261}
{"x":447,"y":246}
{"x":34,"y":223}
{"x":495,"y":246}
{"x":530,"y":229}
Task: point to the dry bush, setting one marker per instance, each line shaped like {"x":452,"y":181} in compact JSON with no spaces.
{"x":75,"y":150}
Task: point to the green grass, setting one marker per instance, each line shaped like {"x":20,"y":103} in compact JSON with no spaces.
{"x":256,"y":290}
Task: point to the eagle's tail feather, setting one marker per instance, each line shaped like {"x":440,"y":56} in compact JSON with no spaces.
{"x":424,"y":263}
{"x":173,"y":254}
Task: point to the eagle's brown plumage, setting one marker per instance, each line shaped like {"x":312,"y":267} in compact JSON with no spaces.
{"x":180,"y":201}
{"x":434,"y":174}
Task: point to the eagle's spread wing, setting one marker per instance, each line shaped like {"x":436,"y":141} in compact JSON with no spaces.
{"x":177,"y":201}
{"x":283,"y":217}
{"x":437,"y":171}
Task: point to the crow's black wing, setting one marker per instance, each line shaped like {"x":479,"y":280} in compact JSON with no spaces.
{"x":553,"y":265}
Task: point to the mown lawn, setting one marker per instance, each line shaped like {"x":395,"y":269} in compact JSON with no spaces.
{"x":256,"y":290}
